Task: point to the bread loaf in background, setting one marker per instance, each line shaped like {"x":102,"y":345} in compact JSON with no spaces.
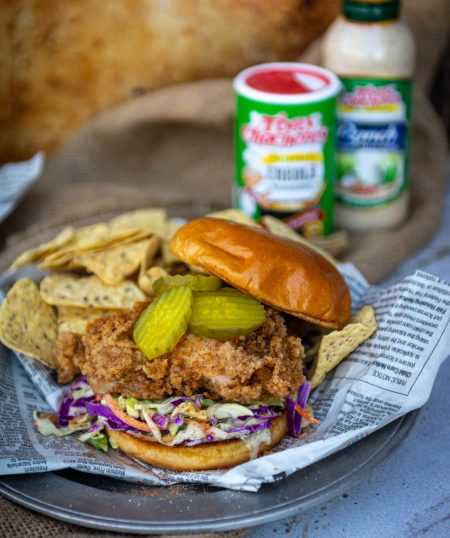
{"x":65,"y":61}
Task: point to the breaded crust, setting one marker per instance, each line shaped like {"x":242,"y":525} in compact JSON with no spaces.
{"x":216,"y":455}
{"x":262,"y":364}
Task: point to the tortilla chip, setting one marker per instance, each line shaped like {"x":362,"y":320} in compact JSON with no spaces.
{"x":168,"y":258}
{"x":27,"y":323}
{"x":95,"y":237}
{"x":149,"y":277}
{"x":337,"y":345}
{"x":149,"y":254}
{"x":366,"y":316}
{"x":74,"y":320}
{"x":65,"y":289}
{"x":66,"y":259}
{"x":60,"y":261}
{"x":235,"y":215}
{"x":112,"y":265}
{"x":151,"y":220}
{"x":100,"y":235}
{"x":39,"y":252}
{"x":278,"y":227}
{"x":134,"y":225}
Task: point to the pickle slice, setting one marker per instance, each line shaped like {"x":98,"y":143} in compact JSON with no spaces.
{"x":163,"y":322}
{"x":225,"y":314}
{"x":195,"y":282}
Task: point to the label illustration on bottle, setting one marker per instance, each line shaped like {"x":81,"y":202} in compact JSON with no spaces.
{"x":372,"y":141}
{"x":283,"y":160}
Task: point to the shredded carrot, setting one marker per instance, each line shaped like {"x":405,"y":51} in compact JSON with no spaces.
{"x":134,"y":423}
{"x":203,"y":425}
{"x":306,"y":415}
{"x":78,"y":418}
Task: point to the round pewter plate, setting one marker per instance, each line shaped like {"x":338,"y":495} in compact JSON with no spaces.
{"x":109,"y":504}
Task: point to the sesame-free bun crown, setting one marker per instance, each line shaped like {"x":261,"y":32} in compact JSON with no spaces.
{"x":277,"y":271}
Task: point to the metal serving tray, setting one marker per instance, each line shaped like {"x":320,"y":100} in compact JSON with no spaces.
{"x":109,"y":504}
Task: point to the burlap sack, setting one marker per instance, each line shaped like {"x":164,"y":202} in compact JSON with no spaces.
{"x":174,"y":147}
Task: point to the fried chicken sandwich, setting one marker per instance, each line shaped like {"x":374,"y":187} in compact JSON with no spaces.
{"x":206,"y":375}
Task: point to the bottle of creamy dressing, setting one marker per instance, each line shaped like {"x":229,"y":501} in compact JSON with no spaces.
{"x":373,"y":53}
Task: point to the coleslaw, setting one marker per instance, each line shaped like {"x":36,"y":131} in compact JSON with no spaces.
{"x":178,"y":420}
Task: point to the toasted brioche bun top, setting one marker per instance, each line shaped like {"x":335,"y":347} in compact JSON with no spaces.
{"x":277,"y":271}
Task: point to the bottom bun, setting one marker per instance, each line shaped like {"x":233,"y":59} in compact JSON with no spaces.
{"x":215,"y":455}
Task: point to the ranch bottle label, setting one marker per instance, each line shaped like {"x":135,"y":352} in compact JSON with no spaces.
{"x":285,"y":136}
{"x":373,"y":140}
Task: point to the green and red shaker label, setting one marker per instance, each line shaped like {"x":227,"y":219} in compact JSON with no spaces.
{"x":373,"y":141}
{"x":285,"y":143}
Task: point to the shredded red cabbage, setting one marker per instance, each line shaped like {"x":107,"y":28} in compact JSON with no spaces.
{"x":263,"y":409}
{"x":96,"y":409}
{"x":81,"y":402}
{"x":177,"y":420}
{"x":95,"y":426}
{"x":251,"y":428}
{"x":160,"y":420}
{"x":62,"y":414}
{"x":79,"y":383}
{"x":181,"y":400}
{"x":303,"y":394}
{"x":291,"y":416}
{"x":68,"y":406}
{"x":262,"y":416}
{"x":121,"y":426}
{"x":294,"y":418}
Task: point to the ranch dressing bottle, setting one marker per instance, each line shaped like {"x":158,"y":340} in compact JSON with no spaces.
{"x":373,"y":53}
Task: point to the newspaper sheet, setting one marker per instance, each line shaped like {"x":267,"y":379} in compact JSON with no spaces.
{"x":389,"y":375}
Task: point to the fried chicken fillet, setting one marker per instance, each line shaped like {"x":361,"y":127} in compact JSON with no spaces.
{"x":68,"y":351}
{"x":265,"y":363}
